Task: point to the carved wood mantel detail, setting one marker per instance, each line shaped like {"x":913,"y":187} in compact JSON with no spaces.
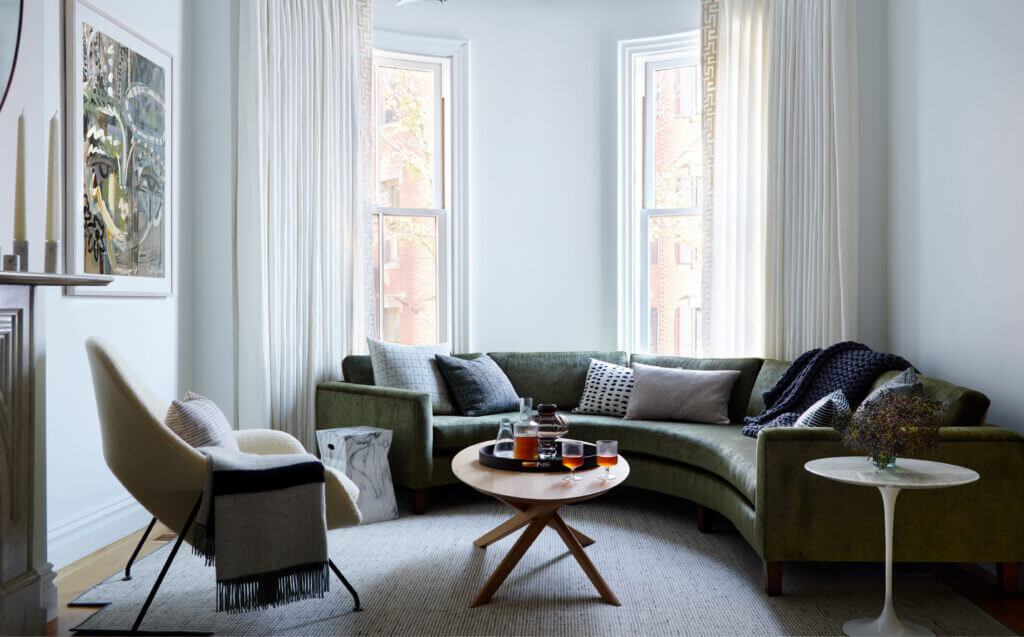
{"x":10,"y":435}
{"x":27,"y":594}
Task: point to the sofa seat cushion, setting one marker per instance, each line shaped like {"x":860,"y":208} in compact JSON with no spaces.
{"x":720,"y":449}
{"x":452,"y":433}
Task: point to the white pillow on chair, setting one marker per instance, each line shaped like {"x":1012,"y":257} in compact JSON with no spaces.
{"x":198,"y":421}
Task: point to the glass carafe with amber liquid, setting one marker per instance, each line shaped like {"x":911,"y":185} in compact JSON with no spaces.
{"x":525,"y":446}
{"x":550,"y":427}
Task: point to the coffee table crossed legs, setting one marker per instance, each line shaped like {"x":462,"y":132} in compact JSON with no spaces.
{"x":535,"y":517}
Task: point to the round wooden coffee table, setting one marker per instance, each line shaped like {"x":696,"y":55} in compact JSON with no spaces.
{"x":537,"y":496}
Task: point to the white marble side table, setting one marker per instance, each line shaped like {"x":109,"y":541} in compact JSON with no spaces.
{"x":907,"y":474}
{"x":361,"y":453}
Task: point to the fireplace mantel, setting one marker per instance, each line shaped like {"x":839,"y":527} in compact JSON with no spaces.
{"x":27,"y":595}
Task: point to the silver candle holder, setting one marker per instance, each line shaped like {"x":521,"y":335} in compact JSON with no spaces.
{"x":11,"y":262}
{"x":21,"y":251}
{"x":51,"y":258}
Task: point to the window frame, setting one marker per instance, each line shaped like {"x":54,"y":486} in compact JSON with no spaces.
{"x":451,"y":58}
{"x":638,"y":60}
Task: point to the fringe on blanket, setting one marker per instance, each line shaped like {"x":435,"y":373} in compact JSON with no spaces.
{"x":261,"y":590}
{"x":202,"y":543}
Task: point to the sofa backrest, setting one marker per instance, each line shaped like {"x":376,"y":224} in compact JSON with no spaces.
{"x":740,"y":396}
{"x":552,"y":377}
{"x":770,"y":373}
{"x":358,"y":369}
{"x":961,"y":407}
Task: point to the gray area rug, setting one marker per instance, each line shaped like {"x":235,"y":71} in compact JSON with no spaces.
{"x":417,"y":574}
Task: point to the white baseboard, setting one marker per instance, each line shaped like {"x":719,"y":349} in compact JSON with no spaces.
{"x":75,"y":537}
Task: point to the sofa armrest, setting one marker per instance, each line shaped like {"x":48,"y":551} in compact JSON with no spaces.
{"x":407,"y":413}
{"x":800,"y":516}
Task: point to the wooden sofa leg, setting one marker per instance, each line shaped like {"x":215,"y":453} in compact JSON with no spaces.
{"x":773,"y":578}
{"x":419,"y":501}
{"x":705,"y":519}
{"x":1008,"y":575}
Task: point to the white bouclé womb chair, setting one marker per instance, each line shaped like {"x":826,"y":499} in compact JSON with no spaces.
{"x":163,"y":472}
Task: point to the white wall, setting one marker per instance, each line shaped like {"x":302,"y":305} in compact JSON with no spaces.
{"x":956,"y":205}
{"x":211,"y":66}
{"x":542,"y":158}
{"x":872,"y":67}
{"x":86,"y":507}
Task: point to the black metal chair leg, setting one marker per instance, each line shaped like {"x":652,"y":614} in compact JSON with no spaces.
{"x":135,"y":553}
{"x":167,"y":565}
{"x":355,"y":595}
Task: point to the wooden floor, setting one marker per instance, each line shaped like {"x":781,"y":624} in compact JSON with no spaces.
{"x":75,"y":579}
{"x":970,"y":580}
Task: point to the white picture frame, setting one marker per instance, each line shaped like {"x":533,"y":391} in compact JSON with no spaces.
{"x":80,"y":16}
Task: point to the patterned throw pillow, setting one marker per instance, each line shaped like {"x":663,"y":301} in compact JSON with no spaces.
{"x":478,"y":386}
{"x":411,"y":367}
{"x":906,"y":382}
{"x":830,"y":411}
{"x":198,"y":421}
{"x":607,"y":389}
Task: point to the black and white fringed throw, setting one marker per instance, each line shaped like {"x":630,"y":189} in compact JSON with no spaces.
{"x":262,"y":517}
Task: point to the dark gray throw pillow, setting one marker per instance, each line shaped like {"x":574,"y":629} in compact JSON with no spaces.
{"x":478,"y":386}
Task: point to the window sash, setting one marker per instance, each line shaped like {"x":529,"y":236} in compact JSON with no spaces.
{"x":441,"y":264}
{"x":644,"y":336}
{"x":650,"y":104}
{"x":439,"y":69}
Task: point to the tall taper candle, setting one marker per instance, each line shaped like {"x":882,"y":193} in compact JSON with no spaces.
{"x":19,"y":183}
{"x":52,"y":185}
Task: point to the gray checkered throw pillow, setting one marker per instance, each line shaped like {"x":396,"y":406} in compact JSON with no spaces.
{"x":411,"y":367}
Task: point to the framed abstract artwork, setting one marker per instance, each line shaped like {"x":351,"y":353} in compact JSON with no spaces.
{"x":119,"y":153}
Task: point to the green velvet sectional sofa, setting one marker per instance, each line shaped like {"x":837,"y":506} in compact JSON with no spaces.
{"x":760,"y":485}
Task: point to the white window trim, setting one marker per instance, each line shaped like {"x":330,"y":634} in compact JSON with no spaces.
{"x":453,"y":228}
{"x":633,"y":215}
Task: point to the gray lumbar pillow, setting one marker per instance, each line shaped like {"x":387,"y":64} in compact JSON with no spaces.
{"x":199,"y":421}
{"x":478,"y":386}
{"x":682,"y":395}
{"x":411,"y":367}
{"x":831,"y":411}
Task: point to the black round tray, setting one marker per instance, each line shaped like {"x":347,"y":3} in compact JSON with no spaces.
{"x":488,"y":459}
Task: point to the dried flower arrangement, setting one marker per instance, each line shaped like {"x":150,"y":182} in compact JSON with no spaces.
{"x":893,"y":424}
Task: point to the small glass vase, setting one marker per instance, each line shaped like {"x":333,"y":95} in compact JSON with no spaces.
{"x":883,"y":460}
{"x":504,"y":443}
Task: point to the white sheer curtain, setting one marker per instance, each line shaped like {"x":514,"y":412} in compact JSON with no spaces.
{"x":783,"y":209}
{"x":812,"y":230}
{"x":303,"y":100}
{"x":736,"y":207}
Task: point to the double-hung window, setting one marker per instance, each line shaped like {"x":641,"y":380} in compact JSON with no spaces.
{"x":411,"y":212}
{"x":661,"y":171}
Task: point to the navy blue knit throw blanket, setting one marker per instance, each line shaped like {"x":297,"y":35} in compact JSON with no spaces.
{"x":849,"y":366}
